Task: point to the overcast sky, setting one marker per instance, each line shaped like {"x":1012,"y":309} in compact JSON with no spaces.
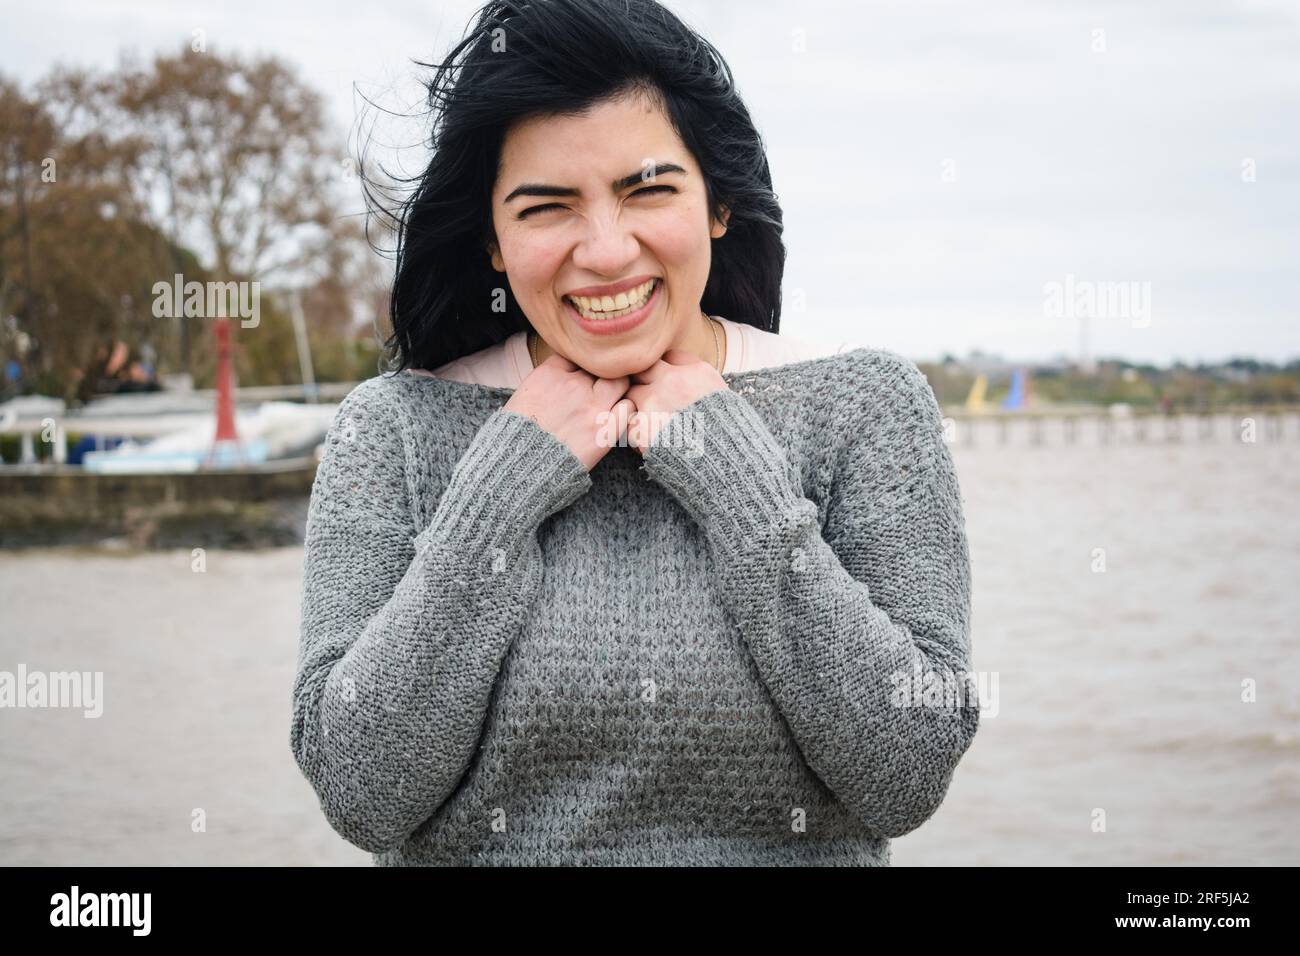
{"x":940,"y":165}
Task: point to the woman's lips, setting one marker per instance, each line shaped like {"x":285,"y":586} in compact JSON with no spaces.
{"x":616,"y":326}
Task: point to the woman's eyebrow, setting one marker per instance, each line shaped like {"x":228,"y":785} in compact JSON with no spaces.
{"x":631,"y":179}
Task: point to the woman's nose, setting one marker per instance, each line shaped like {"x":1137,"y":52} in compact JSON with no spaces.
{"x":608,"y":245}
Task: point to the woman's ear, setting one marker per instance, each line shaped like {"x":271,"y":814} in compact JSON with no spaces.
{"x":719,"y":228}
{"x":494,"y":252}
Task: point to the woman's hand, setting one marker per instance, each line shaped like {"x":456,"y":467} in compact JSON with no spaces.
{"x":588,"y":414}
{"x":672,"y":383}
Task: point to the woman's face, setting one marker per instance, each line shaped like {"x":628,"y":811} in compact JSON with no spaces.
{"x":597,"y":200}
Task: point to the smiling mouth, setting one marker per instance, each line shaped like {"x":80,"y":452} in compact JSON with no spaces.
{"x":597,"y":308}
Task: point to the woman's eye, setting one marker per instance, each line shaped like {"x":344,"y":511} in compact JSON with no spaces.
{"x":528,"y":212}
{"x":648,"y":189}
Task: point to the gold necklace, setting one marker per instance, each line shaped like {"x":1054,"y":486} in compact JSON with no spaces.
{"x":717,"y":345}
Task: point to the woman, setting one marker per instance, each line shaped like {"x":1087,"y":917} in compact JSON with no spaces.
{"x":640,"y":605}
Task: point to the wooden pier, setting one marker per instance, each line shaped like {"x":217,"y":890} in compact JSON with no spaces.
{"x":1101,"y":426}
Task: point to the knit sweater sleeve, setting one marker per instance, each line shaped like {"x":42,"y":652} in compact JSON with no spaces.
{"x":845,"y":622}
{"x":404,"y":629}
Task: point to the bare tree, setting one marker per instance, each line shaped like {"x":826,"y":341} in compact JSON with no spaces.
{"x":247,"y":154}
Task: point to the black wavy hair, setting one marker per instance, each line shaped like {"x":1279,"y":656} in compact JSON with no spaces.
{"x":521,"y":60}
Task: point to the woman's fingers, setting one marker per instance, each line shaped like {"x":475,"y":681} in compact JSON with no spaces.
{"x":621,"y":414}
{"x":623,"y":410}
{"x":559,"y":361}
{"x":610,"y":389}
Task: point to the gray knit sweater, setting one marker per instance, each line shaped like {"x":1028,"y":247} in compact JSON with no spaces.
{"x":712,"y":655}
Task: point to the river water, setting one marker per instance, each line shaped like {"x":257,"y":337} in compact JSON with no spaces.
{"x":1115,"y":730}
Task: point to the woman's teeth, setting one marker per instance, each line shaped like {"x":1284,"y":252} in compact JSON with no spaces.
{"x":616,"y":306}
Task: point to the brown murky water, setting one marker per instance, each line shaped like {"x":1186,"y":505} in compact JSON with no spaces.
{"x":1117,"y":691}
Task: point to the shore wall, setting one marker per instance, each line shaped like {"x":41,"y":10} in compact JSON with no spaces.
{"x":262,"y":506}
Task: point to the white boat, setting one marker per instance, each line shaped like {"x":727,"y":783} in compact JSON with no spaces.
{"x":273,"y":430}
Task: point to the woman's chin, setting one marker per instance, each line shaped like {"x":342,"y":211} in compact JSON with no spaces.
{"x":617,"y":363}
{"x":606,"y":370}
